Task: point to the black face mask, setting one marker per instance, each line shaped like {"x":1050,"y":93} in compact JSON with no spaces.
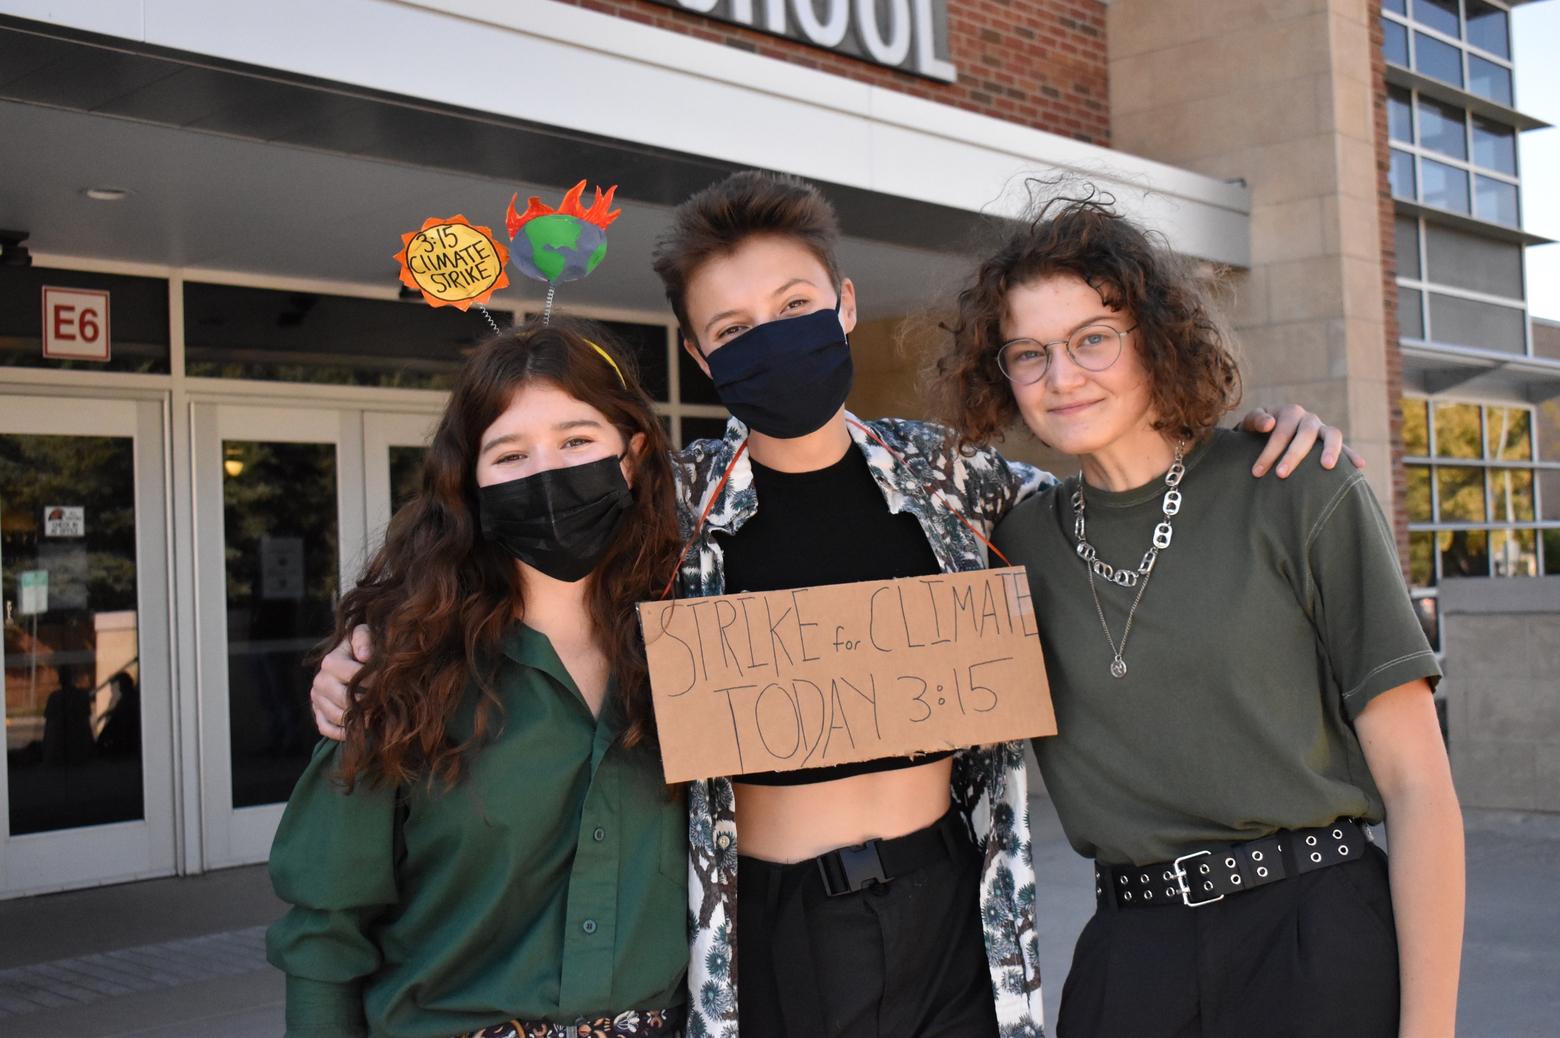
{"x":788,"y":377}
{"x":561,"y":521}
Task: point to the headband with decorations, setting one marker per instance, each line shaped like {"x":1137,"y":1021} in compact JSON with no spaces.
{"x":454,"y":262}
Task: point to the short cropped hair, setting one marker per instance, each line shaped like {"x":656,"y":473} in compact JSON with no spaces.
{"x":721,"y":217}
{"x":1194,"y":377}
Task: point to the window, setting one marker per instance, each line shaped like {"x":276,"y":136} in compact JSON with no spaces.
{"x":138,"y":320}
{"x":1394,"y":42}
{"x":1474,"y":493}
{"x":239,"y":332}
{"x":1465,"y":164}
{"x":1489,"y":80}
{"x":1442,"y":129}
{"x":1470,"y":47}
{"x":1443,"y":186}
{"x":1440,"y":15}
{"x":1400,"y":115}
{"x":1406,"y":234}
{"x":1401,"y":175}
{"x":1459,"y":289}
{"x":1487,"y":28}
{"x":1494,"y":146}
{"x":1495,"y":200}
{"x":1470,"y":261}
{"x":1438,"y":60}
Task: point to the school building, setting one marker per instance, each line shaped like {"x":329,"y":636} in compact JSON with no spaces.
{"x":213,"y":393}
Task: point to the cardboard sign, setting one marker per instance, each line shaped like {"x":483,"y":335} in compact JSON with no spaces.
{"x":75,"y":324}
{"x":453,"y":262}
{"x":810,"y":677}
{"x":65,"y":521}
{"x":32,"y":587}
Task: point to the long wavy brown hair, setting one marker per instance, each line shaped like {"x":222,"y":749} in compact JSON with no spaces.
{"x":1194,"y":376}
{"x":438,"y":598}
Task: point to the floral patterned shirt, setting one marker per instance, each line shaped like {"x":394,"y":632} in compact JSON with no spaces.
{"x":919,"y":470}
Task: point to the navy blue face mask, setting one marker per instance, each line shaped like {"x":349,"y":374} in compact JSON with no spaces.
{"x":788,"y":377}
{"x":561,"y":521}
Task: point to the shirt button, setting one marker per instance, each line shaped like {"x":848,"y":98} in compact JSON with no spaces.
{"x":599,"y":834}
{"x":589,"y":926}
{"x":723,"y":841}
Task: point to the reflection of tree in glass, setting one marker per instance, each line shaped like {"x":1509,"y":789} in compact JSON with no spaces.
{"x":1457,"y":433}
{"x":1512,"y":493}
{"x":1514,"y":553}
{"x":406,"y":465}
{"x":1510,"y":437}
{"x":283,"y":490}
{"x":96,"y":473}
{"x":1421,"y":561}
{"x":1416,"y":436}
{"x":1462,"y":494}
{"x":1417,"y":493}
{"x":1465,"y":553}
{"x":1549,"y":430}
{"x":406,"y":377}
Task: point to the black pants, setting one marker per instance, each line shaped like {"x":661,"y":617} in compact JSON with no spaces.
{"x":1314,"y":955}
{"x":906,"y":959}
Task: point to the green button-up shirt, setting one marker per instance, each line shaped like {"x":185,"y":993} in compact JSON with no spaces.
{"x":549,"y":884}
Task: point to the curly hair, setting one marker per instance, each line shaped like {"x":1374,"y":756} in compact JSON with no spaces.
{"x":437,"y":598}
{"x":1194,"y":377}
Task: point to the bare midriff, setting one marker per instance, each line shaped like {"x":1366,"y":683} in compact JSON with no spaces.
{"x":794,"y":823}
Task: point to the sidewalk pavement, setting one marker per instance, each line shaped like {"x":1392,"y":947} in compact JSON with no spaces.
{"x":185,"y":957}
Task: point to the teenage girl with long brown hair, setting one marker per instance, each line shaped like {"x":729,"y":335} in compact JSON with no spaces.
{"x":491,"y":849}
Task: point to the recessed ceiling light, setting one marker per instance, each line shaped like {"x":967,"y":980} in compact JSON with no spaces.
{"x":106,"y":194}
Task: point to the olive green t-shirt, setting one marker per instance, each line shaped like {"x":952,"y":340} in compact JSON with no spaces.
{"x":549,"y":884}
{"x":1276,"y":615}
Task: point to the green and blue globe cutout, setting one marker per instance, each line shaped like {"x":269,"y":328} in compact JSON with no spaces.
{"x":562,"y":244}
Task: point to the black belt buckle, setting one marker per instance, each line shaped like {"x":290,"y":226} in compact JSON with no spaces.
{"x":859,"y":867}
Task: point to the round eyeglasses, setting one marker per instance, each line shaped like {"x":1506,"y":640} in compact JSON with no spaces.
{"x":1093,"y":348}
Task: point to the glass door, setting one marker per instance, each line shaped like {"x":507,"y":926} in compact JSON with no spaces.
{"x":278,"y":507}
{"x":394,"y":446}
{"x":86,"y":792}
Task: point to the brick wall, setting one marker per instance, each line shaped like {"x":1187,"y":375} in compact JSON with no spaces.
{"x":1038,"y":63}
{"x":1389,"y":294}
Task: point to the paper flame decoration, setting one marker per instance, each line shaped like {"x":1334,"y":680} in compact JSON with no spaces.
{"x":562,"y":244}
{"x":570,"y":206}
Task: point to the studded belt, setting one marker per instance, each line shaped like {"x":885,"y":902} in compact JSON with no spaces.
{"x":1212,"y":874}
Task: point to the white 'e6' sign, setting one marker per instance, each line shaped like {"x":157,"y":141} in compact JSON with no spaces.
{"x":75,"y":324}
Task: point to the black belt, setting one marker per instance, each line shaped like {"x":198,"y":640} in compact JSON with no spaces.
{"x":851,"y":869}
{"x":787,"y":951}
{"x":1205,"y":876}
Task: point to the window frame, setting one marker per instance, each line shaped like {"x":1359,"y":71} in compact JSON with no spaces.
{"x":1426,"y":287}
{"x":1486,"y":463}
{"x":1464,"y":47}
{"x":1418,"y":153}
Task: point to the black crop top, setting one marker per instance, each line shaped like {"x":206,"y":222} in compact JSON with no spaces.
{"x":829,"y":526}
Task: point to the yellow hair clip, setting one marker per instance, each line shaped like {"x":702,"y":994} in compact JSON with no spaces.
{"x":608,"y":358}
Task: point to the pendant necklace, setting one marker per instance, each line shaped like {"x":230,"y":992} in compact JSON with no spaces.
{"x":1128,"y":578}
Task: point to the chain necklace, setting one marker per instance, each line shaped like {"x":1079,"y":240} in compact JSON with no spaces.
{"x":1128,"y":578}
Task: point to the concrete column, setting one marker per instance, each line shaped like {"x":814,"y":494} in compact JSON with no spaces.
{"x":1281,"y":95}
